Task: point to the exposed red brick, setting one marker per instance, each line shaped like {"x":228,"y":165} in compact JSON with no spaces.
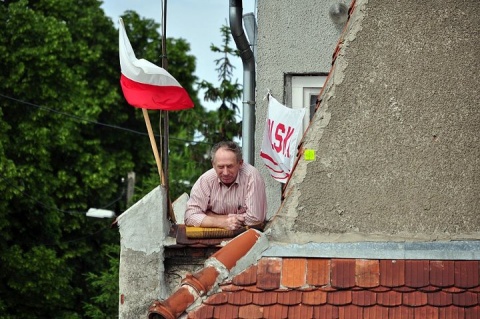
{"x":318,"y":272}
{"x":465,"y":299}
{"x":250,"y":312}
{"x":275,"y":312}
{"x":401,"y":312}
{"x":325,"y":311}
{"x":375,"y":312}
{"x":451,"y":312}
{"x":300,"y":311}
{"x":390,"y":298}
{"x":350,"y":312}
{"x":442,"y":273}
{"x":264,"y":298}
{"x":364,"y":298}
{"x":246,"y":277}
{"x":367,"y":273}
{"x":417,"y":273}
{"x":292,"y":297}
{"x":217,"y":299}
{"x":293,"y":272}
{"x":439,"y":298}
{"x":343,"y":273}
{"x":339,"y":298}
{"x":268,"y":273}
{"x":466,"y":273}
{"x":426,"y":312}
{"x":415,"y":299}
{"x":315,"y":297}
{"x":240,"y":298}
{"x":472,"y":312}
{"x":225,"y":311}
{"x":392,"y":273}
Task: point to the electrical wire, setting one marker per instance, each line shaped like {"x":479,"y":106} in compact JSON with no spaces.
{"x":80,"y":119}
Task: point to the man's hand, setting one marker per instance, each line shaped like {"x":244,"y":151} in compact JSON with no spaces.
{"x":230,"y":221}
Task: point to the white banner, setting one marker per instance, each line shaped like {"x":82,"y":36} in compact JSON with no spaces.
{"x":283,"y":128}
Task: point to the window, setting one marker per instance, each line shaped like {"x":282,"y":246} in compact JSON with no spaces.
{"x":303,"y":93}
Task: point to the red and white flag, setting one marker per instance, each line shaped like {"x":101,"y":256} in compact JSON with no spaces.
{"x":146,"y":85}
{"x":280,"y":138}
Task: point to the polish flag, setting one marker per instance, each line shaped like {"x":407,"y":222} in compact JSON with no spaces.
{"x":146,"y":85}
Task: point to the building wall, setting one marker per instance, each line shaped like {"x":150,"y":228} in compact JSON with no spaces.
{"x":397,"y":133}
{"x":294,"y":37}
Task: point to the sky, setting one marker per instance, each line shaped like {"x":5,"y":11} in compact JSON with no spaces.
{"x":197,"y":21}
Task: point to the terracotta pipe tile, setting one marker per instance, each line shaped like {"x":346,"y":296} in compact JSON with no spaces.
{"x":230,"y":288}
{"x":376,"y":312}
{"x":343,"y":273}
{"x":203,"y":280}
{"x":317,"y":271}
{"x":265,"y":298}
{"x":174,"y":306}
{"x":415,"y":299}
{"x":315,"y":297}
{"x":429,"y":289}
{"x":252,"y":288}
{"x":426,"y":312}
{"x":293,"y":272}
{"x":466,"y":273}
{"x":364,"y":298}
{"x":240,"y":298}
{"x":367,"y":273}
{"x":250,"y":312}
{"x":453,"y":290}
{"x":268,"y":273}
{"x":465,"y":299}
{"x":247,"y":277}
{"x":381,"y":289}
{"x":237,"y":248}
{"x":404,"y":289}
{"x":392,"y":273}
{"x":442,"y":273}
{"x":401,"y":312}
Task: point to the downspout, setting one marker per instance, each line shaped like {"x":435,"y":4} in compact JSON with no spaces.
{"x":248,"y":60}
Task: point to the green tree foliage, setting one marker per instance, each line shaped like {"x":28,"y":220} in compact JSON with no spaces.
{"x":59,"y":83}
{"x":223,"y":124}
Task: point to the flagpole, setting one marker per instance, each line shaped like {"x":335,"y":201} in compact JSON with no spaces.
{"x":165,"y":114}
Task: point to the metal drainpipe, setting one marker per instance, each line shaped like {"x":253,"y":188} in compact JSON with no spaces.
{"x":246,"y":53}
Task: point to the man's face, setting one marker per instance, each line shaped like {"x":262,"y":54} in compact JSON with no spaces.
{"x":226,"y":165}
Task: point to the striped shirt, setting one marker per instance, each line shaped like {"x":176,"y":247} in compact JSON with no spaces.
{"x":245,"y":196}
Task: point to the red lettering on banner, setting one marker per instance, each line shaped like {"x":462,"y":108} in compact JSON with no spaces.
{"x":281,"y":137}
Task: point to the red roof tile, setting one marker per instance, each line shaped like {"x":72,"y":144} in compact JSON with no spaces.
{"x":268,"y":273}
{"x":392,"y":273}
{"x":466,"y":273}
{"x":349,"y":288}
{"x":367,"y":273}
{"x":318,"y":271}
{"x":442,"y":273}
{"x":293,"y":272}
{"x":417,"y":273}
{"x":342,"y":273}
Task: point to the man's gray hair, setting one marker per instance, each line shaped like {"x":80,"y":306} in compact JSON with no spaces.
{"x":228,"y":145}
